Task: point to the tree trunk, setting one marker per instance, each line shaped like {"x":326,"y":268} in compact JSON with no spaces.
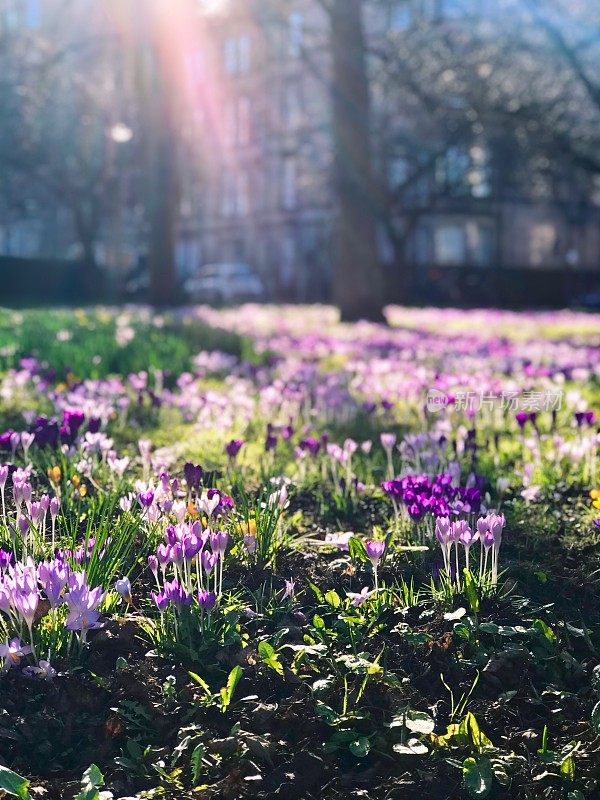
{"x":159,"y":115}
{"x":357,"y":272}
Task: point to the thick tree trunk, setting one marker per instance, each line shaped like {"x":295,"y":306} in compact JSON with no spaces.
{"x":161,"y":168}
{"x":357,"y":272}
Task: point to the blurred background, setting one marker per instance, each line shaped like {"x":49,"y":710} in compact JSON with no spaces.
{"x":359,"y":152}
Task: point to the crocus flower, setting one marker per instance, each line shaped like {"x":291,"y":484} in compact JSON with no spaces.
{"x":12,"y":652}
{"x":233,"y":447}
{"x":206,"y":600}
{"x":388,"y":440}
{"x":290,"y":589}
{"x":146,"y":498}
{"x":358,"y":598}
{"x":375,"y":550}
{"x":123,"y":587}
{"x":44,"y":670}
{"x":193,"y":474}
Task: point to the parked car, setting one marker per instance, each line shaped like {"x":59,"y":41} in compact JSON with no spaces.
{"x":224,"y":283}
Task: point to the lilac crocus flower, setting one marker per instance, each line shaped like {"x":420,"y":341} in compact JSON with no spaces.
{"x":53,"y":575}
{"x":358,"y":598}
{"x":290,"y":589}
{"x":388,"y":440}
{"x":12,"y":652}
{"x":123,"y":587}
{"x":375,"y":550}
{"x":44,"y":670}
{"x":83,"y":603}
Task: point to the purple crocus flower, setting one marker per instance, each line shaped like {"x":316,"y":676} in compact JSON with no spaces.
{"x":206,"y":600}
{"x":177,"y":594}
{"x":233,"y":447}
{"x":311,"y":445}
{"x":160,"y":599}
{"x":522,"y":418}
{"x":193,"y":474}
{"x":208,"y":561}
{"x":375,"y":550}
{"x":146,"y":498}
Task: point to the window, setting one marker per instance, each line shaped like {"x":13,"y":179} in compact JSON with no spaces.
{"x":465,"y":170}
{"x":288,"y":260}
{"x":450,"y":245}
{"x":228,"y":192}
{"x":242,"y":193}
{"x":453,"y":9}
{"x":463,"y":243}
{"x":400,"y":15}
{"x":296,"y":34}
{"x":33,"y":14}
{"x":292,"y":105}
{"x":236,"y":53}
{"x":230,"y":54}
{"x":480,"y":177}
{"x":542,"y":243}
{"x":230,"y":123}
{"x":243,"y":120}
{"x":244,"y":54}
{"x":289,"y":188}
{"x":397,"y":172}
{"x":480,"y":243}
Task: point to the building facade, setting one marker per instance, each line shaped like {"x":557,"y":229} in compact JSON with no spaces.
{"x":256,"y":163}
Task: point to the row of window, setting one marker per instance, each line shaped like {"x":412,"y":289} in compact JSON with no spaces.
{"x":236,"y":190}
{"x":239,"y":116}
{"x":404,"y":13}
{"x":473,"y":242}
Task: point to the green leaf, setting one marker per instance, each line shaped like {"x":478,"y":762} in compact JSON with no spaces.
{"x":453,"y":616}
{"x":318,"y":622}
{"x":471,"y":591}
{"x":333,"y":599}
{"x":489,"y":627}
{"x":596,"y":679}
{"x":478,"y":776}
{"x":330,"y":716}
{"x":360,"y":747}
{"x":14,"y":784}
{"x":228,"y":690}
{"x":567,"y":768}
{"x":270,"y":657}
{"x":419,"y":722}
{"x":412,"y":748}
{"x":540,"y":626}
{"x":92,"y":779}
{"x":317,"y":592}
{"x":596,"y":717}
{"x":196,"y":762}
{"x":357,"y":550}
{"x":201,"y":682}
